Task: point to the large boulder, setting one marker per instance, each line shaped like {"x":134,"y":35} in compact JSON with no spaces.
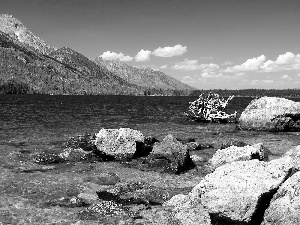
{"x":188,"y":211}
{"x":171,"y":155}
{"x":119,"y":143}
{"x":233,"y":153}
{"x":285,"y":204}
{"x":294,"y":154}
{"x":238,"y":192}
{"x":271,"y":113}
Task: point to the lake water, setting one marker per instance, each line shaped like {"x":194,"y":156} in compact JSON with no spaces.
{"x":41,"y":122}
{"x":44,"y":118}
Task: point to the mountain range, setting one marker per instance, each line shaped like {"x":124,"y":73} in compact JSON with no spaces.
{"x":29,"y":65}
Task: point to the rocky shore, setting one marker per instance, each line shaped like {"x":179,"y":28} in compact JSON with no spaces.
{"x":120,"y":176}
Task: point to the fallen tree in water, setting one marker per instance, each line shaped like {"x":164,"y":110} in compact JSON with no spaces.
{"x":210,"y":108}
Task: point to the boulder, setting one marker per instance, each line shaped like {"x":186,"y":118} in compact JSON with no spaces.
{"x":271,"y":113}
{"x":285,"y":204}
{"x":119,"y":143}
{"x":170,"y":155}
{"x":294,"y":154}
{"x":188,"y":211}
{"x":155,"y":215}
{"x":143,"y":149}
{"x":239,"y":192}
{"x":134,"y":193}
{"x":233,"y":153}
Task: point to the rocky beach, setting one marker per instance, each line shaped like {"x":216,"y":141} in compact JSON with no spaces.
{"x":225,"y":174}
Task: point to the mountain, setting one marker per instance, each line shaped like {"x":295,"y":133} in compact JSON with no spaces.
{"x":14,"y":28}
{"x":145,"y":77}
{"x":96,"y":75}
{"x":25,"y":70}
{"x":29,"y":65}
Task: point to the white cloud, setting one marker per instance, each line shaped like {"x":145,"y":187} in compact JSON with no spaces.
{"x":286,"y":77}
{"x":211,"y":75}
{"x":143,"y":55}
{"x":250,"y":65}
{"x":116,"y":56}
{"x":284,"y":62}
{"x":261,"y":82}
{"x":164,"y":66}
{"x":193,"y":65}
{"x":170,"y":51}
{"x":187,"y":79}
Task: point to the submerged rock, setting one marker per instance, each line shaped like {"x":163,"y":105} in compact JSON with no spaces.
{"x":239,"y":192}
{"x":104,"y":210}
{"x":135,"y":193}
{"x":230,"y":143}
{"x":86,"y":142}
{"x":285,"y":204}
{"x":271,"y":113}
{"x":75,"y":155}
{"x":119,"y":143}
{"x":68,"y":202}
{"x":103,"y":179}
{"x":47,"y":158}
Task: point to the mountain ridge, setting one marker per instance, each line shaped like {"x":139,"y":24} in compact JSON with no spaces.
{"x":144,"y":77}
{"x":28,"y":63}
{"x":14,"y":28}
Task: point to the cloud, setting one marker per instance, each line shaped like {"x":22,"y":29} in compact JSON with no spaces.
{"x":193,"y":65}
{"x":250,"y":65}
{"x":211,"y":75}
{"x":170,"y":51}
{"x":187,"y":79}
{"x":284,"y":62}
{"x":164,"y":66}
{"x":261,"y":82}
{"x":286,"y":77}
{"x":143,"y":55}
{"x":116,"y":56}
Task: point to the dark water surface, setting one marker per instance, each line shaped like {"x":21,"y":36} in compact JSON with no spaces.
{"x":43,"y":121}
{"x":44,"y":118}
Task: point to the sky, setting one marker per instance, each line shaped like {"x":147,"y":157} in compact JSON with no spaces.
{"x":207,"y":44}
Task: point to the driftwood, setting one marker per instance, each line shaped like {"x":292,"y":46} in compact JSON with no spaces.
{"x":209,"y":108}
